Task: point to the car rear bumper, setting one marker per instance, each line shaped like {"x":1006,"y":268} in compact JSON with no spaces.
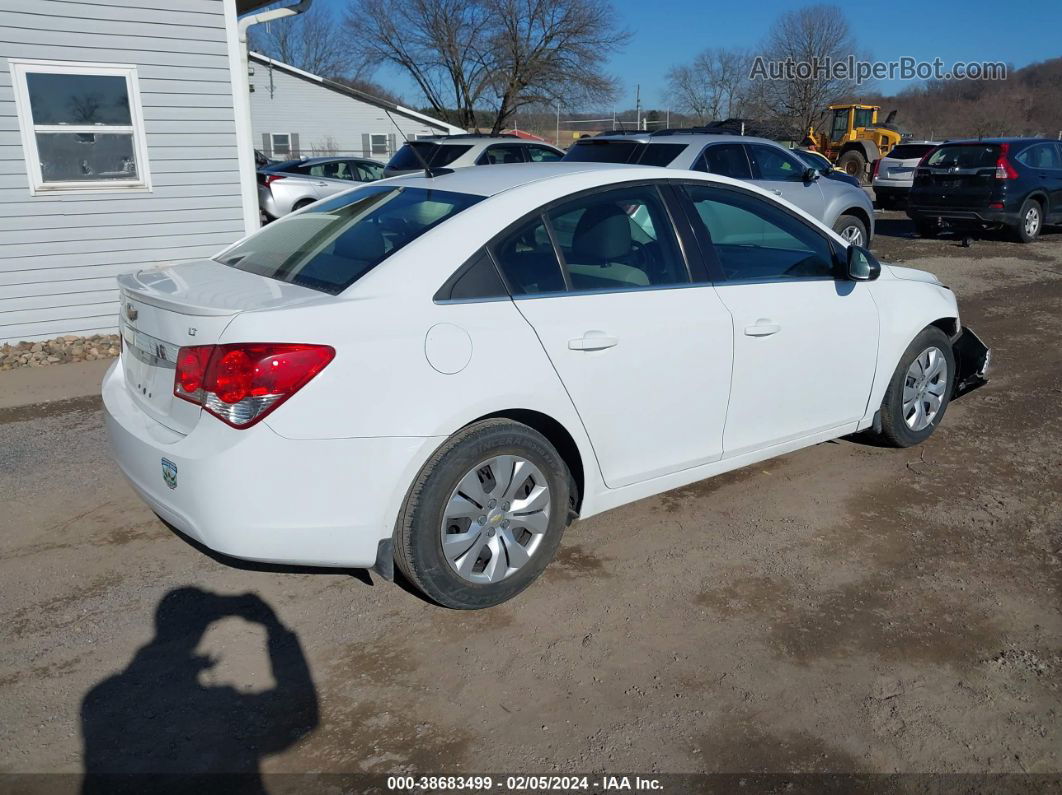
{"x":961,"y":217}
{"x":255,"y":495}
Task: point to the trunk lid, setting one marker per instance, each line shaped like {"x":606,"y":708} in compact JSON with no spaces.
{"x":165,"y":309}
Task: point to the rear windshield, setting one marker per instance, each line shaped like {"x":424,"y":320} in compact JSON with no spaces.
{"x":435,"y":155}
{"x":909,"y":151}
{"x":613,"y":151}
{"x":336,"y":242}
{"x":965,"y":156}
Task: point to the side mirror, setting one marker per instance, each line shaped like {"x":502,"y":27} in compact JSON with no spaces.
{"x":862,"y":265}
{"x":810,"y":174}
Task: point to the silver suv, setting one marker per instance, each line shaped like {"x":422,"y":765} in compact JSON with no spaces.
{"x":458,"y":151}
{"x":843,"y":207}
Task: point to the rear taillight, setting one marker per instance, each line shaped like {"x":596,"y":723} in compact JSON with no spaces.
{"x":271,"y":178}
{"x":874,"y":170}
{"x":241,"y":383}
{"x":1004,"y":170}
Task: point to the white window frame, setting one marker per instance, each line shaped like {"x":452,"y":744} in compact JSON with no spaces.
{"x":273,"y":143}
{"x":372,"y":144}
{"x":20,"y":68}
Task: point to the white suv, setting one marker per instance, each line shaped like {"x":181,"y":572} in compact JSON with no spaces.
{"x":458,"y":151}
{"x":893,"y":175}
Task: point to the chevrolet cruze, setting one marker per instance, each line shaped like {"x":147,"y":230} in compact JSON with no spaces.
{"x":442,"y":371}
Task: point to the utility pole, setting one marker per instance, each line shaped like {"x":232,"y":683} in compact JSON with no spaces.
{"x":638,"y":106}
{"x":558,"y":124}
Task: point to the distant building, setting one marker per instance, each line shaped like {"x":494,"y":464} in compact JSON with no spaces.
{"x":297,"y":114}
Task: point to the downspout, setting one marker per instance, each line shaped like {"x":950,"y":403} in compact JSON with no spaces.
{"x":241,"y":91}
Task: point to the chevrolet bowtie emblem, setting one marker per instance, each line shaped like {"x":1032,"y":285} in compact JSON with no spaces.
{"x":130,"y":312}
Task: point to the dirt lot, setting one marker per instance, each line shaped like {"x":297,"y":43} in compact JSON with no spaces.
{"x":845,"y":608}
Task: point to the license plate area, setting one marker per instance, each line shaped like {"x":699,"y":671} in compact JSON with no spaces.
{"x":150,"y":365}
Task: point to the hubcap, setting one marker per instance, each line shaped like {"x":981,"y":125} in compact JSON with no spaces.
{"x":853,"y":234}
{"x":495,"y":519}
{"x":1032,"y":221}
{"x":924,"y":387}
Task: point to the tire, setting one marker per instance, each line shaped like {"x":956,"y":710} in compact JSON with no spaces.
{"x":896,"y":429}
{"x":434,"y":500}
{"x":1030,"y":221}
{"x":854,"y":164}
{"x":849,"y":227}
{"x":302,"y":203}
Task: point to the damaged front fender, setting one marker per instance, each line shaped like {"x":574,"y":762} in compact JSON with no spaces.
{"x":972,"y":358}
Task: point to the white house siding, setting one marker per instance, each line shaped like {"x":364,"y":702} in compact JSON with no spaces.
{"x":59,"y":254}
{"x":325,"y":121}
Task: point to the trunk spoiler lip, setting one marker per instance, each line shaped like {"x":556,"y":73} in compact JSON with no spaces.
{"x":132,"y":287}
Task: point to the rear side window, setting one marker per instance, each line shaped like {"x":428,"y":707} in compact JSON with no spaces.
{"x":1043,"y":156}
{"x":541,"y":154}
{"x":435,"y":155}
{"x":909,"y":151}
{"x":528,"y":260}
{"x":477,"y":279}
{"x":499,"y":154}
{"x":618,"y":240}
{"x":603,"y":151}
{"x":728,"y":160}
{"x":333,"y":244}
{"x":964,"y":156}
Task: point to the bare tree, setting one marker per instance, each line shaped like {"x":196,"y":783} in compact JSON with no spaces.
{"x":502,"y":54}
{"x":715,"y":85}
{"x":815,"y":35}
{"x":310,"y":41}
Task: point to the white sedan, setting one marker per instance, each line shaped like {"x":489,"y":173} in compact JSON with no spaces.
{"x":444,"y":371}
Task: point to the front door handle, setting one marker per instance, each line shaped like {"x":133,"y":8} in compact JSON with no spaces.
{"x":592,"y":341}
{"x":776,"y":192}
{"x":762,"y":328}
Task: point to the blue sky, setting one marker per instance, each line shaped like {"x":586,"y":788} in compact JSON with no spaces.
{"x":672,"y":32}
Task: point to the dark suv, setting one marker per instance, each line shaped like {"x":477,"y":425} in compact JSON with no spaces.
{"x":1012,"y":183}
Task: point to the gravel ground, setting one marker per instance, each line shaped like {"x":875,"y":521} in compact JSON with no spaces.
{"x":61,"y":350}
{"x":846,"y":608}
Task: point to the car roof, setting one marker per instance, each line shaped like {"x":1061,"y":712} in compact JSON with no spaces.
{"x":472,"y":138}
{"x":492,"y":180}
{"x":1017,"y":139}
{"x":681,"y":137}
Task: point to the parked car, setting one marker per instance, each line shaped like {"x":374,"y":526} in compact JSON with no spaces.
{"x":444,"y":372}
{"x":1009,"y":183}
{"x":294,"y":184}
{"x":459,"y":151}
{"x":893,"y":174}
{"x":822,"y":164}
{"x":843,"y":207}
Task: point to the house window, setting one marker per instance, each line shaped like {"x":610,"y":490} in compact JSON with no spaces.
{"x":379,"y":145}
{"x":281,"y":144}
{"x":82,"y":127}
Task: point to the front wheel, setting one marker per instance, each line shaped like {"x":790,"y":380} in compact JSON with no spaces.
{"x":920,"y":390}
{"x":852,"y":230}
{"x":485,"y":515}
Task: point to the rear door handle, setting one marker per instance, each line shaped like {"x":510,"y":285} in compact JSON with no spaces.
{"x":762,"y":328}
{"x":592,"y":341}
{"x":776,"y":192}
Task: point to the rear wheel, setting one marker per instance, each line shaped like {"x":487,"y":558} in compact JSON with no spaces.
{"x":920,"y":390}
{"x":1030,"y":221}
{"x":485,"y":515}
{"x":852,"y":229}
{"x":302,"y":203}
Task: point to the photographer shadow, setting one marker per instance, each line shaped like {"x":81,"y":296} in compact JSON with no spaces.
{"x":155,"y":726}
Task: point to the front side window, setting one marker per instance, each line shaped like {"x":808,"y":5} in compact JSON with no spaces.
{"x":775,"y":164}
{"x":756,"y":241}
{"x":726,"y":159}
{"x":331,"y":245}
{"x":618,"y":239}
{"x":281,"y":145}
{"x":81,"y":124}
